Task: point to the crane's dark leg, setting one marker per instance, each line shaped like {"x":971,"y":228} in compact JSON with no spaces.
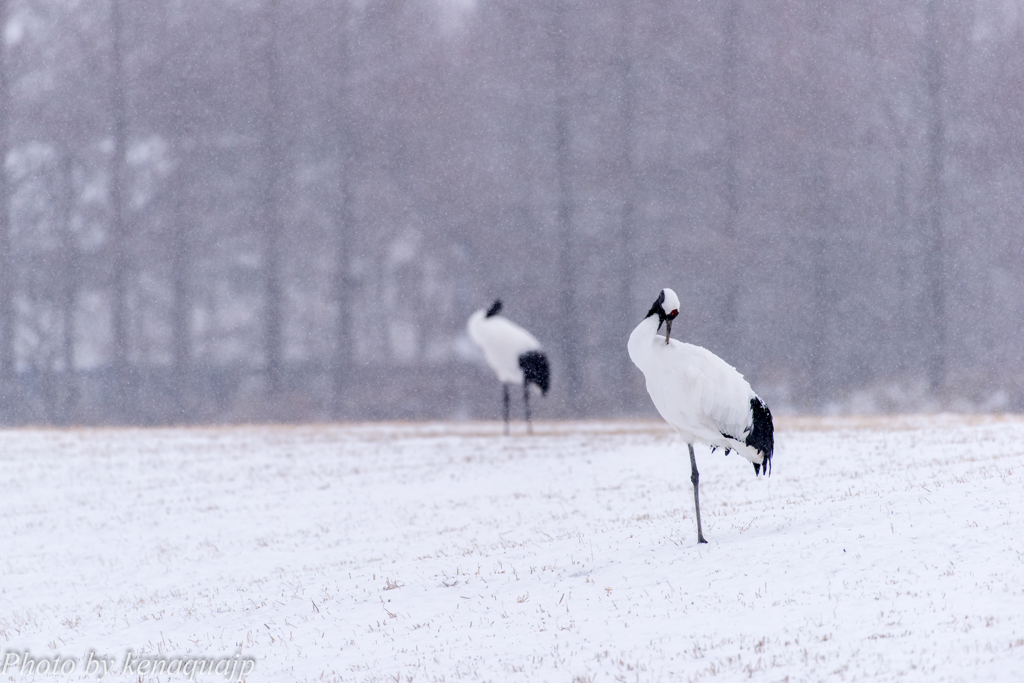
{"x":695,"y":477}
{"x":504,"y":389}
{"x":526,"y":402}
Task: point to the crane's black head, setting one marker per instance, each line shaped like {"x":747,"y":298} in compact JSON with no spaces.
{"x":666,"y":307}
{"x":495,"y":308}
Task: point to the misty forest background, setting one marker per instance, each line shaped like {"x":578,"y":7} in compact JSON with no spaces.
{"x":233,"y":210}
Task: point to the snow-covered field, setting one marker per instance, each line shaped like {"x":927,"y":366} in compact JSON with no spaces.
{"x":880,"y":549}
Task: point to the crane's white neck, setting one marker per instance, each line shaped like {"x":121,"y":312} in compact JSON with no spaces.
{"x":642,"y":339}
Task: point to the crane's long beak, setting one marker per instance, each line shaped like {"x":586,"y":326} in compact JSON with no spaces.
{"x":668,"y":329}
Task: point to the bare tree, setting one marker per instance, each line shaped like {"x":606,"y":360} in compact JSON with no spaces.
{"x":934,"y":240}
{"x":70,"y":264}
{"x":7,"y":279}
{"x":182,"y":305}
{"x":730,"y":174}
{"x":118,"y":233}
{"x":344,"y":216}
{"x":819,"y":219}
{"x":569,"y":328}
{"x":270,"y":204}
{"x":629,"y":189}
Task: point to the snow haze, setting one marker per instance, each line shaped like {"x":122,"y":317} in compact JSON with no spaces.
{"x":238,"y":211}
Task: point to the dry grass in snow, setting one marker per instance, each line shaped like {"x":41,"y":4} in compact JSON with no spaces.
{"x":880,"y":549}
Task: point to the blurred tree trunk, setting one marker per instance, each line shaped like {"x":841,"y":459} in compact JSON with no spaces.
{"x":823,"y":292}
{"x":270,"y":207}
{"x":904,"y":255}
{"x":181,"y":283}
{"x":934,"y":242}
{"x":70,"y":264}
{"x":118,"y":247}
{"x":899,"y":125}
{"x":7,"y":279}
{"x":344,"y":284}
{"x":820,"y":224}
{"x":570,"y":330}
{"x":629,"y":189}
{"x":730,"y":246}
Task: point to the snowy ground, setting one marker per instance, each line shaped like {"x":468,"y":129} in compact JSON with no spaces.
{"x":880,"y":549}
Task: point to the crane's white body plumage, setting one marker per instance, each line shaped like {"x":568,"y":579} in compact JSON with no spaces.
{"x":513,"y":353}
{"x":703,"y":397}
{"x":698,"y":393}
{"x":502,"y":342}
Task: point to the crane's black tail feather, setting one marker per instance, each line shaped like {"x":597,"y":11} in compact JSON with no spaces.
{"x":535,"y":369}
{"x":762,"y":435}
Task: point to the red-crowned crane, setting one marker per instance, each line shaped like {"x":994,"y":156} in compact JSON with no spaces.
{"x":698,"y":393}
{"x":513,"y":353}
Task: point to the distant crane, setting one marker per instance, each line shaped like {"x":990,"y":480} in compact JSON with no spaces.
{"x":513,"y":353}
{"x":698,"y":393}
